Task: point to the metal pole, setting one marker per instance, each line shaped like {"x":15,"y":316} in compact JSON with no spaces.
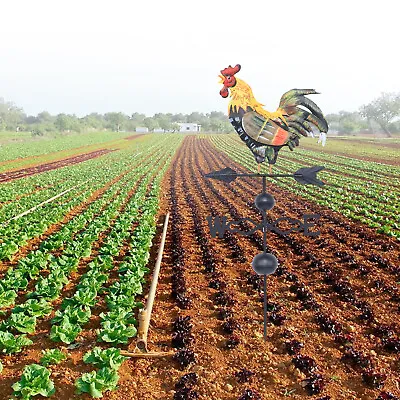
{"x":265,"y":251}
{"x":265,"y":308}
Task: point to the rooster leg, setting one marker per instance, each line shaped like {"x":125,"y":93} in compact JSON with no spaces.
{"x":258,"y":168}
{"x":270,"y":169}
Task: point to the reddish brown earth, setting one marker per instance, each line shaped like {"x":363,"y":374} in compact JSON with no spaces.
{"x":344,"y":248}
{"x":133,"y":137}
{"x":275,"y":375}
{"x":23,"y":173}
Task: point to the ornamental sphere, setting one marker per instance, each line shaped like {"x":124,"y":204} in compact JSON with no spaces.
{"x":264,"y":264}
{"x":264,"y":201}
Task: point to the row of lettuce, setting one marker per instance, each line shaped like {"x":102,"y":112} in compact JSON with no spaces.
{"x":126,"y":219}
{"x":43,"y":150}
{"x":363,"y":191}
{"x":73,"y":241}
{"x":84,"y":178}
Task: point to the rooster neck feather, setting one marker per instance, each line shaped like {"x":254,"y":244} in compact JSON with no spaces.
{"x":242,"y":97}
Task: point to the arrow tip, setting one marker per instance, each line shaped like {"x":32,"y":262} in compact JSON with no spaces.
{"x":226,"y":175}
{"x":308,"y":176}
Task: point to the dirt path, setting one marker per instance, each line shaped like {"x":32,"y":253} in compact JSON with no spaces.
{"x":133,"y":137}
{"x":23,"y":173}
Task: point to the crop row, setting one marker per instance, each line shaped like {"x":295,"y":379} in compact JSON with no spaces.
{"x":16,"y":233}
{"x":118,"y":322}
{"x":301,"y":293}
{"x":138,"y":214}
{"x":340,"y":196}
{"x":28,"y":268}
{"x":24,"y":317}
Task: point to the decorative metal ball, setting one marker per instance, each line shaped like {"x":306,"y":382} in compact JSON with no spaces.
{"x":264,"y":264}
{"x":264,"y":201}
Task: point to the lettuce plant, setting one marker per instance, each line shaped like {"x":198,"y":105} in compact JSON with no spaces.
{"x":110,"y":358}
{"x":10,"y":344}
{"x":95,"y":383}
{"x":115,"y":332}
{"x":52,"y":356}
{"x":35,"y":380}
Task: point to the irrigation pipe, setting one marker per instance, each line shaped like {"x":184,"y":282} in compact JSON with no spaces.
{"x":43,"y":203}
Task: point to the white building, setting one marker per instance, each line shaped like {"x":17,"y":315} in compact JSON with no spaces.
{"x":142,"y":129}
{"x":189,"y":127}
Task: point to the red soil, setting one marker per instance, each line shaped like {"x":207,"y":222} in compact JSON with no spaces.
{"x":274,"y":371}
{"x":23,"y":173}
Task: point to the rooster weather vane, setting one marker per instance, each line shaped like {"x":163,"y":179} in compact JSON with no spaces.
{"x":265,"y":133}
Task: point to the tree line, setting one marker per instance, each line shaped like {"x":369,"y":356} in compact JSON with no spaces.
{"x":382,"y":114}
{"x":13,"y":118}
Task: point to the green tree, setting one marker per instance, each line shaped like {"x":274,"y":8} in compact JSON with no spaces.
{"x":163,"y":121}
{"x":138,"y":117}
{"x":178,"y":118}
{"x":116,"y":120}
{"x":217,"y":115}
{"x":195,"y":117}
{"x":93,"y":121}
{"x":150,"y":123}
{"x":175,"y":127}
{"x":383,"y":110}
{"x":44,"y":116}
{"x":11,"y":116}
{"x":63,"y":122}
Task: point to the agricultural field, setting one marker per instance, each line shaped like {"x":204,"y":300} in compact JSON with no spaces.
{"x":80,"y":227}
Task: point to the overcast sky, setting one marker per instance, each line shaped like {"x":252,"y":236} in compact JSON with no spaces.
{"x":82,"y":56}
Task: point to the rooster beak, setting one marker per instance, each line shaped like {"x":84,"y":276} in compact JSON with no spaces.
{"x":221,"y":79}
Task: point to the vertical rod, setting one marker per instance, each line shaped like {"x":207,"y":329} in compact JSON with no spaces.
{"x":264,"y":231}
{"x":265,"y":308}
{"x":264,"y":214}
{"x":265,"y":250}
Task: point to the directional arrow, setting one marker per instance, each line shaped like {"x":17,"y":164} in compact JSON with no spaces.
{"x":305,"y":176}
{"x":226,"y":175}
{"x":308,"y":176}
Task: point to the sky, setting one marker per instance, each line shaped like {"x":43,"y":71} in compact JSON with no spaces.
{"x":147,"y":56}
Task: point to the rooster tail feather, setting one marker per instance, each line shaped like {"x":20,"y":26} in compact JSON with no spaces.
{"x":320,"y":123}
{"x":292,"y":103}
{"x":295,"y":93}
{"x":303,"y":115}
{"x":305,"y":102}
{"x":300,"y":118}
{"x":298,"y":127}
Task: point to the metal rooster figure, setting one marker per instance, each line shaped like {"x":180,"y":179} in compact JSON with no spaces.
{"x":264,"y":132}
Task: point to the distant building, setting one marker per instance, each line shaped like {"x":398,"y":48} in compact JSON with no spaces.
{"x":189,"y":127}
{"x":141,"y":129}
